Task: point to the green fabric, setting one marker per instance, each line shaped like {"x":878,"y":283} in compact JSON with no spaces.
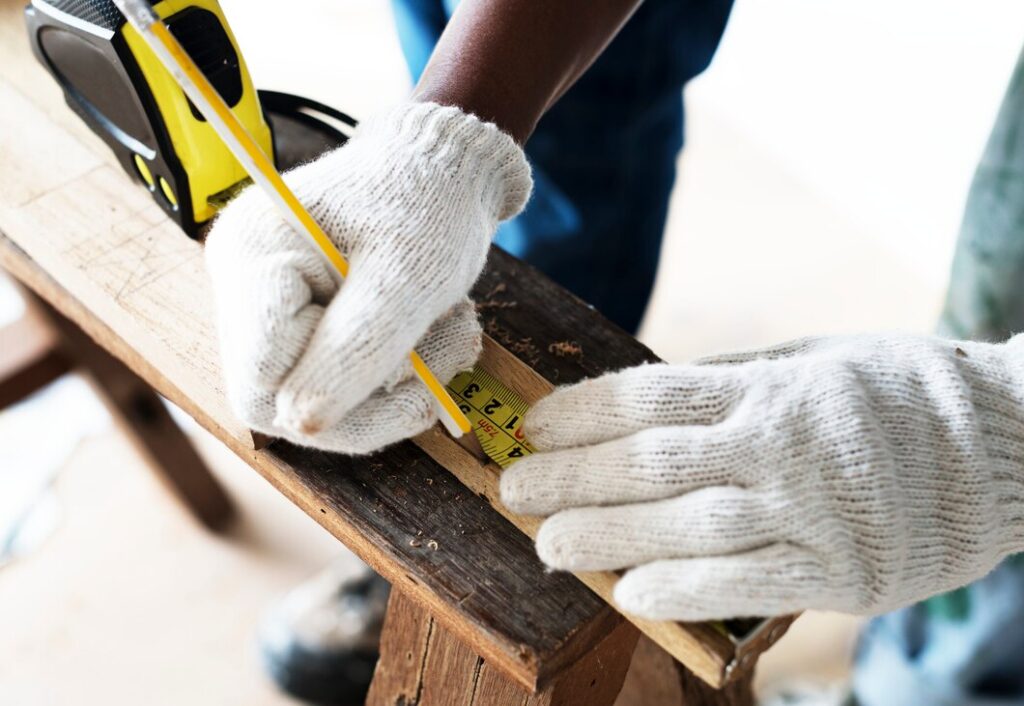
{"x":985,"y":300}
{"x":955,"y":606}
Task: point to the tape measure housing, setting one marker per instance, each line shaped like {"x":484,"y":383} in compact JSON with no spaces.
{"x":115,"y":83}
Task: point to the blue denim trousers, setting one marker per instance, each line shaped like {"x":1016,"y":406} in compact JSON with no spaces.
{"x":604,"y":156}
{"x":604,"y":160}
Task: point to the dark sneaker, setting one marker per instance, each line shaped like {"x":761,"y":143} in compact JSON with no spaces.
{"x":320,"y":642}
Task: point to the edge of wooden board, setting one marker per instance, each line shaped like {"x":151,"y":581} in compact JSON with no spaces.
{"x":521,"y":667}
{"x":704,"y":650}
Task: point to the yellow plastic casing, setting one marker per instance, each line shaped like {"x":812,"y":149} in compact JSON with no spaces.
{"x":210,"y":166}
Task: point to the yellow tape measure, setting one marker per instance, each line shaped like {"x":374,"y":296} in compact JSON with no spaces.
{"x":496,"y":414}
{"x":497,"y":417}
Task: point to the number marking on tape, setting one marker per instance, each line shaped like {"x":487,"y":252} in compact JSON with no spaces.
{"x":496,"y":414}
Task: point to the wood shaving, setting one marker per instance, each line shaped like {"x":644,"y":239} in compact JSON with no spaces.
{"x":489,"y":301}
{"x":498,"y":289}
{"x":566,"y":349}
{"x":491,"y":304}
{"x":523,"y":347}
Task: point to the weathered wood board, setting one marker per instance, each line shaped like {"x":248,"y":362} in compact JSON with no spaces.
{"x":77,"y":231}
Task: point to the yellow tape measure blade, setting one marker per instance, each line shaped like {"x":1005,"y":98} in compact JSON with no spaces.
{"x":496,"y":413}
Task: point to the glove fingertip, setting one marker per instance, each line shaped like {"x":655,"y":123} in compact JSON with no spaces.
{"x":253,"y":407}
{"x":556,"y":545}
{"x":515,"y":487}
{"x":511,"y":491}
{"x":575,"y":540}
{"x":303,"y":409}
{"x":647,"y":592}
{"x":540,"y":425}
{"x":634,"y":597}
{"x":297,"y":422}
{"x":384,"y":419}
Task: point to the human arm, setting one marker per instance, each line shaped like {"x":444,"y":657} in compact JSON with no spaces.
{"x":413,"y":201}
{"x":508,"y":61}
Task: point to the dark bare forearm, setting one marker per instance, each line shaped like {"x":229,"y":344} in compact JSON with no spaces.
{"x":508,"y":61}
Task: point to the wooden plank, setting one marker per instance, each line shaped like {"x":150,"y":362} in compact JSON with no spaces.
{"x":595,"y":679}
{"x":424,"y":664}
{"x":450,"y":672}
{"x":654,"y":677}
{"x":137,"y":286}
{"x":483,"y":582}
{"x":403,"y":649}
{"x":456,"y":557}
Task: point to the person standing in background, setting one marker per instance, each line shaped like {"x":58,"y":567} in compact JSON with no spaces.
{"x":603,"y":161}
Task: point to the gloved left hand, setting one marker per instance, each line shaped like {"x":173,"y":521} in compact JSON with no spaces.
{"x":857,"y":474}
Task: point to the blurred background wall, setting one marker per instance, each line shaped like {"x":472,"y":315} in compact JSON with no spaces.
{"x":829,"y":150}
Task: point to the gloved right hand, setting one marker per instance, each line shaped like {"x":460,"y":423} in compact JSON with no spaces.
{"x":412,"y":201}
{"x":851,"y":473}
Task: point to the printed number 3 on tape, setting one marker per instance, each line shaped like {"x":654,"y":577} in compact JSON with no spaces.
{"x":496,"y":414}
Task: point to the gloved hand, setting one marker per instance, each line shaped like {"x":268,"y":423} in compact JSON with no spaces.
{"x":857,"y":474}
{"x":412,"y":201}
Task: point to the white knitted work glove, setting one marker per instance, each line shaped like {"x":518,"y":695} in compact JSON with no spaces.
{"x":412,"y":201}
{"x":857,"y":474}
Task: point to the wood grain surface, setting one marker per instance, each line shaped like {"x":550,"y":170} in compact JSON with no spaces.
{"x":655,"y":678}
{"x":77,"y":231}
{"x":423,"y":664}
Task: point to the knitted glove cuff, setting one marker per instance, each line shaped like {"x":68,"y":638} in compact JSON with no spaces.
{"x":453,"y":141}
{"x":995,"y":373}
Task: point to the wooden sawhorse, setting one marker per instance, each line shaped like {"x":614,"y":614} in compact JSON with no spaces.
{"x":42,"y":345}
{"x":475,"y":618}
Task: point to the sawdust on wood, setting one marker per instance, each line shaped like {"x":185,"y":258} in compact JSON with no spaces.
{"x":566,"y":349}
{"x":523,"y":347}
{"x":489,"y":301}
{"x":491,"y":304}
